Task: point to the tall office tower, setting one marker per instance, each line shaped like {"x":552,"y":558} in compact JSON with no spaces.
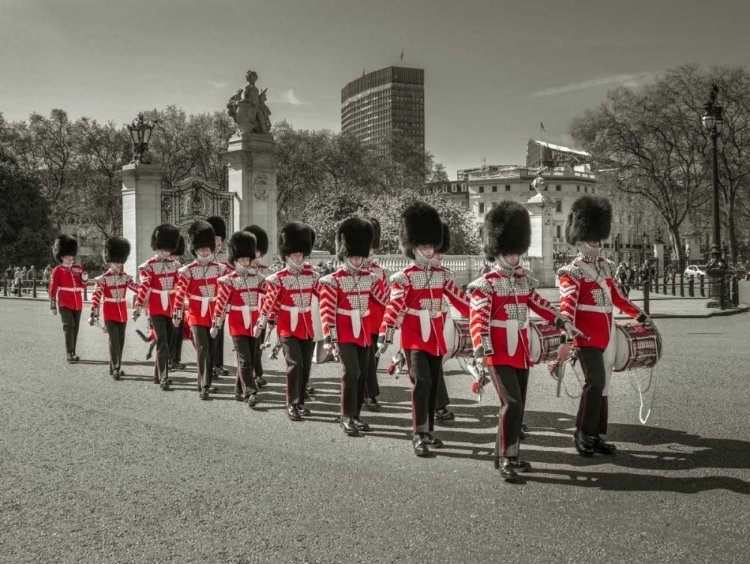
{"x":383,"y":101}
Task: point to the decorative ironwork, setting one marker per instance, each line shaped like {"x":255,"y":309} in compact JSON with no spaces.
{"x":194,"y":199}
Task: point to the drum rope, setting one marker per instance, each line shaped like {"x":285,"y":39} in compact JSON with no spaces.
{"x":651,"y":381}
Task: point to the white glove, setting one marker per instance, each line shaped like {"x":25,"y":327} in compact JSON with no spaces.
{"x":136,"y":313}
{"x":213,"y":332}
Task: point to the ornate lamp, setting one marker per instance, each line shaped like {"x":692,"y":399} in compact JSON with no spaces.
{"x":140,"y":132}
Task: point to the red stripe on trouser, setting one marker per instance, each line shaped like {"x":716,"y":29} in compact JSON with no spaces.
{"x":286,"y":375}
{"x":407,"y":356}
{"x":239,"y":371}
{"x":500,"y":441}
{"x":584,"y":395}
{"x":111,"y":358}
{"x":197,"y":346}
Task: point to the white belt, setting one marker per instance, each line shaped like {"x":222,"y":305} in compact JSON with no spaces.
{"x":245,"y":309}
{"x":294,"y":312}
{"x":356,"y":316}
{"x":599,"y":309}
{"x":114,"y":300}
{"x":511,"y":332}
{"x":71,"y":289}
{"x":205,"y":300}
{"x":424,"y":320}
{"x":164,"y":297}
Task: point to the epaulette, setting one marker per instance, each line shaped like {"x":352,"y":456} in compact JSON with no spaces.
{"x":481,"y":284}
{"x":571,"y":270}
{"x":328,"y":280}
{"x":400,"y":278}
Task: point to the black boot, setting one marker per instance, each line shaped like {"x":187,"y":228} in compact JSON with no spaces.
{"x":116,"y":374}
{"x":303,"y":411}
{"x":507,"y":472}
{"x":420,"y":446}
{"x":522,"y":434}
{"x":432,"y":441}
{"x":204,"y":395}
{"x":360,"y":425}
{"x":603,"y":447}
{"x":444,"y":414}
{"x":293,"y":413}
{"x":164,"y":384}
{"x":519,"y":465}
{"x":584,"y":444}
{"x":252,"y":400}
{"x":221,"y":371}
{"x":260,"y":381}
{"x":349,"y":427}
{"x":372,"y":404}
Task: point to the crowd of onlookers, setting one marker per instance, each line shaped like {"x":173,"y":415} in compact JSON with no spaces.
{"x":20,"y":278}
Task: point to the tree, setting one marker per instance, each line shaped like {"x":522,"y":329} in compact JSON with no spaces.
{"x":25,"y":230}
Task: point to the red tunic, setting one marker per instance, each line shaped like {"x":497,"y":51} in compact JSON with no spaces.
{"x":288,"y":300}
{"x":588,"y":289}
{"x":239,"y":296}
{"x":377,"y":310}
{"x":109,"y":291}
{"x":417,"y":294}
{"x":158,"y":277}
{"x":347,"y":298}
{"x":499,"y":318}
{"x":66,"y":286}
{"x":197,"y":283}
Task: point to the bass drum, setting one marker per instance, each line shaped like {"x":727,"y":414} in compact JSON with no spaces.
{"x":637,"y":346}
{"x":458,"y":339}
{"x":544,"y":340}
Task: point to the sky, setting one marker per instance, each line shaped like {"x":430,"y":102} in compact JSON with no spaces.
{"x":494,"y":69}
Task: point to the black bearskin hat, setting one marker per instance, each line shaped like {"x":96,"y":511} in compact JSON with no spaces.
{"x":354,"y":238}
{"x":507,"y":230}
{"x":220,"y":228}
{"x":201,"y":235}
{"x":590,"y":219}
{"x":296,"y":237}
{"x":446,"y":246}
{"x":180,"y":250}
{"x":165,"y":237}
{"x":261,"y":238}
{"x":116,"y":249}
{"x":64,"y":245}
{"x":375,"y":232}
{"x":242,"y":244}
{"x":420,"y":225}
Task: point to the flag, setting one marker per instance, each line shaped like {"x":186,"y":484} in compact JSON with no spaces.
{"x":541,"y":126}
{"x":402,"y":54}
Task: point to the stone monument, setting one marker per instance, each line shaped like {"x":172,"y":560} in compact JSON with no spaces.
{"x":540,"y":255}
{"x":141,"y":210}
{"x":252,"y":157}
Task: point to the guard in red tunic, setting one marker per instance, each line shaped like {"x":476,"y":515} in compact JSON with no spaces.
{"x":261,"y":249}
{"x":239,"y":300}
{"x":66,"y":291}
{"x":345,"y":300}
{"x":178,"y":336}
{"x":374,"y":320}
{"x":499,"y":320}
{"x":288,"y":300}
{"x":109,"y":295}
{"x":198,"y":283}
{"x":157,"y":284}
{"x":417,"y":294}
{"x":588,"y":291}
{"x":442,"y":413}
{"x":220,"y":256}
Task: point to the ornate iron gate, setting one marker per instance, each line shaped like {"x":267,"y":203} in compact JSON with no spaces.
{"x":194,"y":199}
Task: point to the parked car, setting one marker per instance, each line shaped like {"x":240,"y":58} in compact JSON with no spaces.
{"x":694,"y":270}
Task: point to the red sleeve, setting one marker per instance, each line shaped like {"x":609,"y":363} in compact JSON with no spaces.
{"x":622,"y":302}
{"x":220,"y":305}
{"x":182,"y":284}
{"x":132,"y":285}
{"x":328,"y":289}
{"x":380,"y":291}
{"x":143,"y":288}
{"x":271,"y":300}
{"x":457,"y":297}
{"x":480,"y":310}
{"x":396,"y":303}
{"x":54,"y":283}
{"x":569,"y":289}
{"x":543,"y":307}
{"x":96,"y":298}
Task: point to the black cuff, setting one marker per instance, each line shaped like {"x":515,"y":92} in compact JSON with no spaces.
{"x":642,"y":318}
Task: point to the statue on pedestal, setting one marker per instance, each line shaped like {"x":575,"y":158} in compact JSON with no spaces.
{"x":247,"y":107}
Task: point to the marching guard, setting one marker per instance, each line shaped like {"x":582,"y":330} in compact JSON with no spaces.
{"x":377,"y":310}
{"x":157,"y":284}
{"x":261,"y":249}
{"x":588,"y":290}
{"x":220,"y":256}
{"x":442,"y":413}
{"x":109,"y":293}
{"x":198,"y":283}
{"x":346,"y":297}
{"x":238,"y":300}
{"x":66,"y":291}
{"x":178,"y":335}
{"x":288,"y":300}
{"x":417,"y":294}
{"x":499,"y":320}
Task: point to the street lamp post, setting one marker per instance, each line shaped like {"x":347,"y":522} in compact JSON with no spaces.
{"x":713,"y":121}
{"x":140,"y":132}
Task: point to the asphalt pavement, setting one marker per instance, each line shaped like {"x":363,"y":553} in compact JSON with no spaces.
{"x":101,"y":471}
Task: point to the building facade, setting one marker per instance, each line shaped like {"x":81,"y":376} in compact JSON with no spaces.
{"x":381,"y":102}
{"x":451,"y":190}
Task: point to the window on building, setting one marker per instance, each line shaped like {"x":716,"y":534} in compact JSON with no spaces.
{"x":558,"y":231}
{"x":481,"y":207}
{"x":507,"y":187}
{"x":592,"y":189}
{"x":481,"y":189}
{"x":586,"y":189}
{"x":578,"y":188}
{"x":454,"y":188}
{"x":558,"y":188}
{"x":558,"y":206}
{"x":463,"y":187}
{"x":494,"y":188}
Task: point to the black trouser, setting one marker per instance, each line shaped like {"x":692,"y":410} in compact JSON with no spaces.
{"x":593,"y":409}
{"x":442,"y":400}
{"x":175,"y":347}
{"x":204,"y":346}
{"x":511,"y":384}
{"x":163,"y":327}
{"x":355,"y":360}
{"x":258,"y":361}
{"x":372,"y":389}
{"x":116,"y":335}
{"x":424,"y":372}
{"x":245,"y":348}
{"x":219,"y":348}
{"x":298,"y":355}
{"x":71,"y":322}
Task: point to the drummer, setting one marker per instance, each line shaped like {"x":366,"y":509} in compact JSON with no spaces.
{"x":499,"y":320}
{"x":588,"y":289}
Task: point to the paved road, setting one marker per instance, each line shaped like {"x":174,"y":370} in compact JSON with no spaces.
{"x":102,"y":471}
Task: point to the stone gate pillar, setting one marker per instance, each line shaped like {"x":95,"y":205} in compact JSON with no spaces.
{"x":252,"y":176}
{"x":141,"y":210}
{"x":540,"y":208}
